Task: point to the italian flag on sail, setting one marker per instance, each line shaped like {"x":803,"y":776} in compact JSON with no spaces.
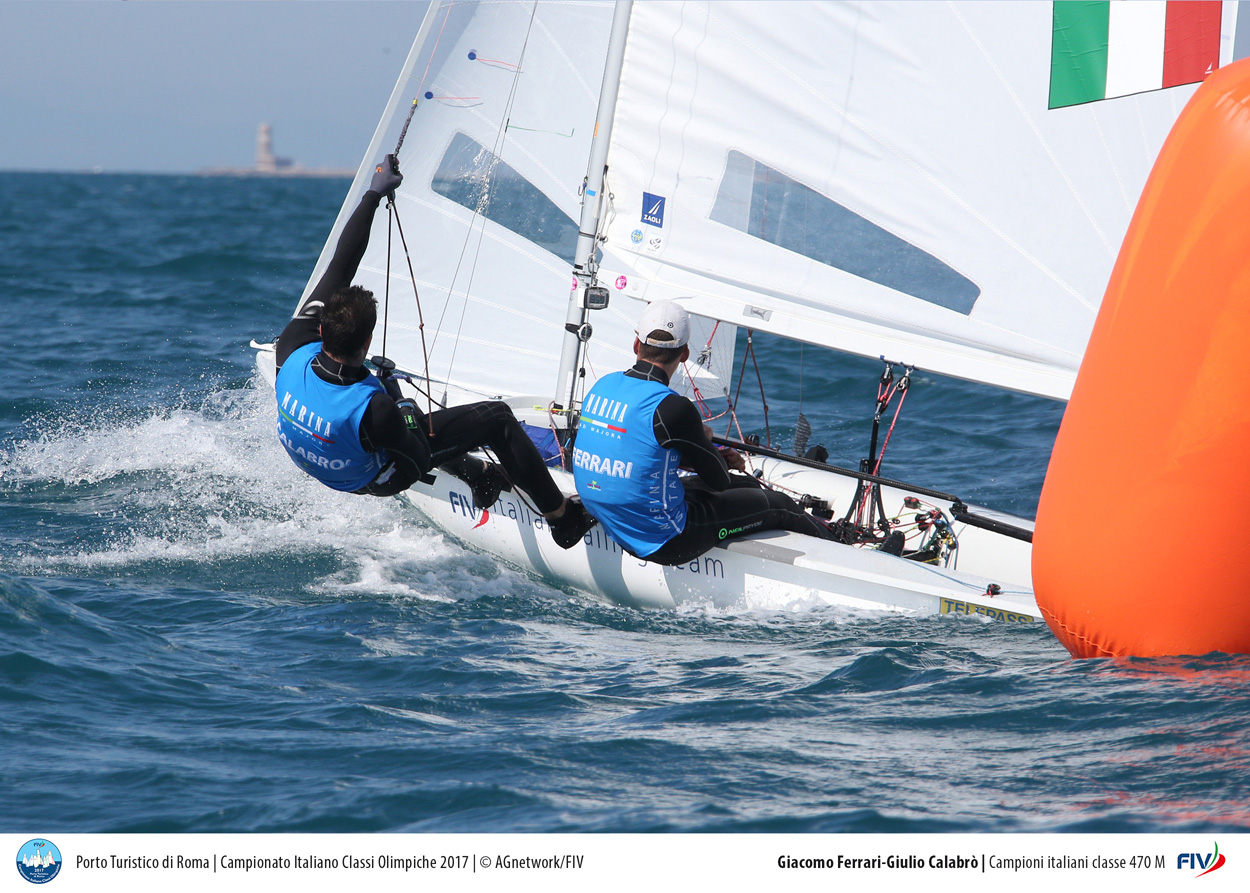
{"x":1100,"y":50}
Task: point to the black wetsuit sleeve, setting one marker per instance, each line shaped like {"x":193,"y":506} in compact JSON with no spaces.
{"x":299,"y":331}
{"x":383,"y":428}
{"x":679,"y":426}
{"x":305,"y":326}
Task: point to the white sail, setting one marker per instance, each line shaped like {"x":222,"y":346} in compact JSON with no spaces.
{"x":881,"y":178}
{"x":893,"y":183}
{"x":492,"y":161}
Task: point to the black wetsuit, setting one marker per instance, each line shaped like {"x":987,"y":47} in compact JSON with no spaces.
{"x":719,"y":505}
{"x":456,"y":430}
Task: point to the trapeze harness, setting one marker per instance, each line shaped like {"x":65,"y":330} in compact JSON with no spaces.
{"x":625,"y":478}
{"x":319,"y":423}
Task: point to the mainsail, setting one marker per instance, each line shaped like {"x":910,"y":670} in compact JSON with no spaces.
{"x":880,"y":178}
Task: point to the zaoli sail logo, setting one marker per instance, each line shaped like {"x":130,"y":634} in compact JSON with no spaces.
{"x":1207,"y":861}
{"x":653,"y":209}
{"x":38,"y":861}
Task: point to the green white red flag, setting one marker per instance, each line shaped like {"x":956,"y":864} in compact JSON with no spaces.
{"x":1100,"y":50}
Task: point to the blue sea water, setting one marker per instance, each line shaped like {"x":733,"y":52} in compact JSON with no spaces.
{"x":195,"y":638}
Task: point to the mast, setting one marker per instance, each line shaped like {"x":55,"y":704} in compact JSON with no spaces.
{"x":585,"y":267}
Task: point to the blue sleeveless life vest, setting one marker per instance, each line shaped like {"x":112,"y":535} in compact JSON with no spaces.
{"x":319,"y":423}
{"x":624,"y":477}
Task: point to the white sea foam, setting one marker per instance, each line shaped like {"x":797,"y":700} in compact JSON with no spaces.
{"x":787,"y":611}
{"x":427,"y":718}
{"x":211,"y":483}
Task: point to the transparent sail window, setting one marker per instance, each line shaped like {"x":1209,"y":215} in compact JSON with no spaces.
{"x":762,"y":202}
{"x":472,"y":176}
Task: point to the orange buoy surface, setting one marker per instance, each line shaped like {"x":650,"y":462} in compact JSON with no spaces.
{"x":1142,"y":544}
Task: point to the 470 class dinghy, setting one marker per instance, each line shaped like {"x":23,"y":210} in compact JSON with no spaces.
{"x":894,"y":180}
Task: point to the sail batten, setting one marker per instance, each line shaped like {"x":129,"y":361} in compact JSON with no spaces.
{"x":1050,"y":377}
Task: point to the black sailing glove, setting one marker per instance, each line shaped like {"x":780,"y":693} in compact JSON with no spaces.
{"x":386,"y":177}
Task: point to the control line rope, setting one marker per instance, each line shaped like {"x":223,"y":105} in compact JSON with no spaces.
{"x":425,"y":354}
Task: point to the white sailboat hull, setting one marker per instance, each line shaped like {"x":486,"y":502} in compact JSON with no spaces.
{"x":776,"y":569}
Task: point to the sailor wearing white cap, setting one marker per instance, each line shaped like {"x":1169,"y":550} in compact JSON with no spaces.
{"x":635,"y":432}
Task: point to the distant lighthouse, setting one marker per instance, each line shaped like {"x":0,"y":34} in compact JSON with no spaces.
{"x":266,"y":161}
{"x":264,"y":149}
{"x":270,"y":165}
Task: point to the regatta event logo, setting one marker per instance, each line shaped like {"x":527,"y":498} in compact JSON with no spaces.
{"x":653,"y":209}
{"x":39,"y":861}
{"x":1207,"y":861}
{"x":636,"y":237}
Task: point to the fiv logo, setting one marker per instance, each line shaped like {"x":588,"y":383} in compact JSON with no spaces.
{"x":1207,"y":861}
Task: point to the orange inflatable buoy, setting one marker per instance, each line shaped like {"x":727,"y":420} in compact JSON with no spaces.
{"x":1142,"y":545}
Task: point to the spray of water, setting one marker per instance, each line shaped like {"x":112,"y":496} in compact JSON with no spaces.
{"x":209,"y":483}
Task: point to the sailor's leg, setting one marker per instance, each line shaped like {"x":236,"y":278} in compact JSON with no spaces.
{"x":713,"y":517}
{"x":460,"y":429}
{"x":394,"y":478}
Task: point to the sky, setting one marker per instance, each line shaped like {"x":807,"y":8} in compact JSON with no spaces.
{"x":182,"y":86}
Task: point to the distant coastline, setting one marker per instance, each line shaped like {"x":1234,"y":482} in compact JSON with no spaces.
{"x":242,"y":172}
{"x":270,"y":165}
{"x":294,"y":171}
{"x":267,"y":165}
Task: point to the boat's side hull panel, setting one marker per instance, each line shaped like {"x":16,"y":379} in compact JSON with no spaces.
{"x":775,"y":569}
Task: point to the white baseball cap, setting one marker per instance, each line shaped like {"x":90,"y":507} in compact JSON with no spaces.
{"x":664,"y":316}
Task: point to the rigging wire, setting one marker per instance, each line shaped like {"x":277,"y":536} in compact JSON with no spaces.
{"x":730,"y":409}
{"x":392,"y":213}
{"x":903,"y":391}
{"x":425,"y":354}
{"x":750,"y":352}
{"x":386,"y":289}
{"x":930,"y":533}
{"x":868,"y":498}
{"x":768,"y":432}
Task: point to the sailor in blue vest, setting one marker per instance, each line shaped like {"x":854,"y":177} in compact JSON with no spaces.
{"x":354,"y":432}
{"x":635,"y":432}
